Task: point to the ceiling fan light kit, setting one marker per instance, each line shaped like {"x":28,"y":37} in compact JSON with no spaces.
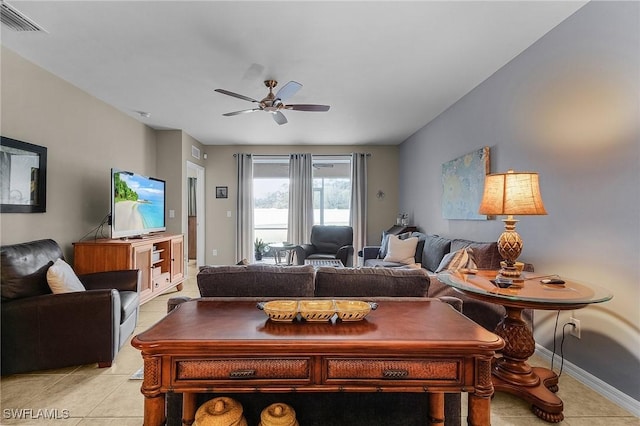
{"x":274,"y":103}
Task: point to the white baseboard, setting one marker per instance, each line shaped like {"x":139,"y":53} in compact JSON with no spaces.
{"x":591,"y":381}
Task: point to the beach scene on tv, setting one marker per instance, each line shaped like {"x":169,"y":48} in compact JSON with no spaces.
{"x":138,"y":203}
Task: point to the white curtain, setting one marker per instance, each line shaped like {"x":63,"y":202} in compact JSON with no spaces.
{"x":244,"y":208}
{"x":358,"y":206}
{"x":300,"y":198}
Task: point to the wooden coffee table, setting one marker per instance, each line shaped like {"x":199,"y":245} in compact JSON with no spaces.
{"x":421,"y":345}
{"x":511,"y":372}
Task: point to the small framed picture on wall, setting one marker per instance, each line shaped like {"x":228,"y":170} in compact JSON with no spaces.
{"x":222,"y":192}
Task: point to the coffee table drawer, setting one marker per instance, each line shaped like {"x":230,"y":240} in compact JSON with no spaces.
{"x":441,"y":370}
{"x":243,"y":369}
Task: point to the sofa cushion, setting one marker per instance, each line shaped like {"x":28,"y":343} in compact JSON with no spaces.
{"x":420,"y":246}
{"x":129,"y":302}
{"x":435,"y":247}
{"x":458,"y":259}
{"x":485,"y":254}
{"x":371,"y":282}
{"x":27,"y":260}
{"x":384,"y":246}
{"x":256,"y":280}
{"x":381,"y":263}
{"x":34,"y":284}
{"x":62,"y":279}
{"x":401,"y":251}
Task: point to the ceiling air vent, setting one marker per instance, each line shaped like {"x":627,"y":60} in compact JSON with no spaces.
{"x":15,"y":20}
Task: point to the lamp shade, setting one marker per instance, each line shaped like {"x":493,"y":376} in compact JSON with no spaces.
{"x":512,"y":193}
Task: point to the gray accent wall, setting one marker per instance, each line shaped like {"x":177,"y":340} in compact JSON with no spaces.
{"x":567,"y":107}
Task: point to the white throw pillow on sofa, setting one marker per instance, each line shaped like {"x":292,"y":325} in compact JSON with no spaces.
{"x":401,"y":251}
{"x":62,"y":279}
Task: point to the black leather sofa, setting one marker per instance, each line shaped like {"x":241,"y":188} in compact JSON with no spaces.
{"x":41,"y":330}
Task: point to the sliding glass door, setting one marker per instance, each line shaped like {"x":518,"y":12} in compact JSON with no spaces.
{"x":331,"y":194}
{"x":331,"y":190}
{"x":271,"y":197}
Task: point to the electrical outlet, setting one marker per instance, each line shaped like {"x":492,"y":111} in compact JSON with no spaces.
{"x":574,"y":329}
{"x":214,"y":252}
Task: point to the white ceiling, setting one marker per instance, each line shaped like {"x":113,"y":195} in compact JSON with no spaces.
{"x":387,"y":68}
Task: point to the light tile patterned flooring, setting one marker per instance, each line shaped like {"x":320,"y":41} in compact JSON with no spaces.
{"x":88,"y":396}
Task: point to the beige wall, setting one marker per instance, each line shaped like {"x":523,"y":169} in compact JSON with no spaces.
{"x":221,"y":171}
{"x":169,"y":144}
{"x":85,"y":138}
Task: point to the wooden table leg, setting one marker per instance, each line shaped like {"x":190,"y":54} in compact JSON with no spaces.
{"x":154,"y":410}
{"x":436,"y":408}
{"x":188,"y":408}
{"x":154,"y":400}
{"x":512,"y":373}
{"x":479,"y":410}
{"x":479,"y":405}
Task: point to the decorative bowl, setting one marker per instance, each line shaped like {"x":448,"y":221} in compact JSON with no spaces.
{"x":281,"y":310}
{"x":352,"y":310}
{"x":317,"y":310}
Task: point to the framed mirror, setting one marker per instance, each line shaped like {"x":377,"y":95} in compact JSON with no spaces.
{"x":23,"y":177}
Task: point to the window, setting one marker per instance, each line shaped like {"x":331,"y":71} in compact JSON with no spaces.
{"x":331,"y":194}
{"x":331,"y":190}
{"x":271,"y":198}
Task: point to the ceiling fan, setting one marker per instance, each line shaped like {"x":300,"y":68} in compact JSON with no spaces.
{"x":274,"y":103}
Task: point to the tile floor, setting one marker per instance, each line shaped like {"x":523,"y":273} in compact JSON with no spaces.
{"x":86,"y":395}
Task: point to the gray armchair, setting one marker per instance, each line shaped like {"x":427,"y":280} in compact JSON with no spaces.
{"x":328,"y":242}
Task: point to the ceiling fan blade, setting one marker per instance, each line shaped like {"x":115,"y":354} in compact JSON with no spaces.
{"x":280,"y":118}
{"x":235,"y":95}
{"x":244,"y":111}
{"x":308,"y":107}
{"x":288,"y":90}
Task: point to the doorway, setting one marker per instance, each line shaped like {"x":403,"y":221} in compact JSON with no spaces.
{"x":195,"y":213}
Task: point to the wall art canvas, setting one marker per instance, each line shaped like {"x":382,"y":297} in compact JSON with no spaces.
{"x":463,"y":184}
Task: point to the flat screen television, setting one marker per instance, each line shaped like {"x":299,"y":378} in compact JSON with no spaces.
{"x":137,"y":204}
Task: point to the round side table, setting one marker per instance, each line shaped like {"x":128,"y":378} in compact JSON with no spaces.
{"x":511,"y":373}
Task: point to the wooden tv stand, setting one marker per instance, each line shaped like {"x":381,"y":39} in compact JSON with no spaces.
{"x":159,"y":257}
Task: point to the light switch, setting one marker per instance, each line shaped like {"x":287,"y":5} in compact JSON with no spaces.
{"x":172,"y":214}
{"x":228,"y":213}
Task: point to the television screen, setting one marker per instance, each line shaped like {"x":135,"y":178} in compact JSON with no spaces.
{"x":137,"y":204}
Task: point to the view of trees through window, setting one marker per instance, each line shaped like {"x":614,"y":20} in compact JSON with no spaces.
{"x":331,"y":198}
{"x":271,"y":209}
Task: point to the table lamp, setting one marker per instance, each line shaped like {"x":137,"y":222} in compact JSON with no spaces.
{"x":511,"y":193}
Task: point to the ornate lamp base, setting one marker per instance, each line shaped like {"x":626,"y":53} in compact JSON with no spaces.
{"x":510,"y":247}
